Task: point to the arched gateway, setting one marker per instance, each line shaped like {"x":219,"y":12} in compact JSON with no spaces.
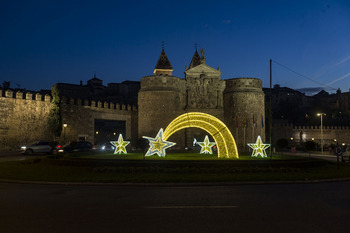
{"x":226,"y":145}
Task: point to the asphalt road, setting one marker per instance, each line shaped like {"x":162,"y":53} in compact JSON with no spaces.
{"x":320,"y":207}
{"x":16,"y":156}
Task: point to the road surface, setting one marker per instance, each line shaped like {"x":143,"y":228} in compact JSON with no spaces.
{"x":318,"y":207}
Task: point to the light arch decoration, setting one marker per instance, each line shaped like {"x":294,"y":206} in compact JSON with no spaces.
{"x":225,"y":143}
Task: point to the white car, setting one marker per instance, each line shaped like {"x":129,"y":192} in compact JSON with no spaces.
{"x":47,"y":147}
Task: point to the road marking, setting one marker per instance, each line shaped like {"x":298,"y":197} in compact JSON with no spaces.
{"x":191,"y":207}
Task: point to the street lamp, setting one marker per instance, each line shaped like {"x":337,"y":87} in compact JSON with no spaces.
{"x":64,"y":133}
{"x":321,"y":114}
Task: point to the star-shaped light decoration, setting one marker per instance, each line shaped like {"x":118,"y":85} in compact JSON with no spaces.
{"x":120,"y":145}
{"x":259,"y":148}
{"x":158,"y":145}
{"x":206,"y":146}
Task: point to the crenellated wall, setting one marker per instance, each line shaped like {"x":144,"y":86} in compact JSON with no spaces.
{"x":80,"y":115}
{"x":23,"y":118}
{"x":296,"y":134}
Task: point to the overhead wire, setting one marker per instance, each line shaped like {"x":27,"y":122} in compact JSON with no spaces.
{"x":310,"y":79}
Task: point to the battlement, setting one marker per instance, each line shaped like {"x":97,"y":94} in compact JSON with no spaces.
{"x":47,"y":98}
{"x":244,"y":84}
{"x":98,"y":104}
{"x":24,"y":95}
{"x":162,"y":82}
{"x":291,"y":126}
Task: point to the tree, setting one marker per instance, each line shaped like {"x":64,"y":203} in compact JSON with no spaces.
{"x":282,"y":143}
{"x":309,"y":146}
{"x":6,"y":84}
{"x":55,"y":121}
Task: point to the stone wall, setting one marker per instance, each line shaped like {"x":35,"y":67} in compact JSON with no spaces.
{"x":160,"y":100}
{"x":80,"y":118}
{"x":244,"y":109}
{"x":23,"y":118}
{"x":296,"y":134}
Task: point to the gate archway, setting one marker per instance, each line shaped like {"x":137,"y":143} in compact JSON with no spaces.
{"x":225,"y":142}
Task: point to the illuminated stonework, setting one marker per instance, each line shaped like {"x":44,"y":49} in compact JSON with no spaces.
{"x":206,"y":146}
{"x":120,"y":145}
{"x":259,"y":148}
{"x":222,"y":136}
{"x":158,"y":145}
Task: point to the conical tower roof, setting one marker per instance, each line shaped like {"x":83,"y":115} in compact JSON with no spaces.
{"x":196,"y":60}
{"x":163,"y":65}
{"x":163,"y":61}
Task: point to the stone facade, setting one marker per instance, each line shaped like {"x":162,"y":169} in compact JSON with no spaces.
{"x":23,"y":118}
{"x":298,"y":134}
{"x":80,"y":116}
{"x":239,"y":103}
{"x":163,"y":97}
{"x":245,"y":110}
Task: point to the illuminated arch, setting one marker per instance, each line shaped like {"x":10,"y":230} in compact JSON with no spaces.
{"x":226,"y":145}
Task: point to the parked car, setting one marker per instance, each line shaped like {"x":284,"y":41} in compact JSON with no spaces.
{"x":76,"y":147}
{"x":48,"y":147}
{"x":346,"y":154}
{"x":105,"y":147}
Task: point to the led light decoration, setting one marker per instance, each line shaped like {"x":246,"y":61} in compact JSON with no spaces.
{"x":206,"y":146}
{"x":222,"y":136}
{"x":120,"y":145}
{"x":259,"y":148}
{"x":158,"y":145}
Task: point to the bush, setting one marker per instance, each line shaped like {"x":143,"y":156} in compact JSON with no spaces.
{"x":282,"y":143}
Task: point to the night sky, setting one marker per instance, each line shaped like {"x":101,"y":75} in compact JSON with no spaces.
{"x":45,"y":42}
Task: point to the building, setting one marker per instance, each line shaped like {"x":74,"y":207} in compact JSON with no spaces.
{"x":98,"y":113}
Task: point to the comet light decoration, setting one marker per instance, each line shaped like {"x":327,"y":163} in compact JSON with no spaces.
{"x":206,"y":146}
{"x":158,"y":145}
{"x":259,"y":148}
{"x":120,"y":145}
{"x":222,"y":136}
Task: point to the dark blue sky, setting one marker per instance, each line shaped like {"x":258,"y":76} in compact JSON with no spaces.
{"x":45,"y":42}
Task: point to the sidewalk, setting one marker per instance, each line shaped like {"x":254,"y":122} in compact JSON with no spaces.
{"x":331,"y":158}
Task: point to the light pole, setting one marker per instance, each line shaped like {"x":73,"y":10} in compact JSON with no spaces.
{"x":321,"y":114}
{"x":64,"y":133}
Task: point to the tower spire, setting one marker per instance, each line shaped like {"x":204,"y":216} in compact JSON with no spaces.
{"x":163,"y":66}
{"x":196,"y":59}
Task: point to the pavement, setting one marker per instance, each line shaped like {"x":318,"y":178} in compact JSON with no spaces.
{"x":271,"y":208}
{"x":6,"y":156}
{"x":328,"y":157}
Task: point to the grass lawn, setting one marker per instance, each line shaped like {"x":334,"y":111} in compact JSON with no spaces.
{"x":175,"y":156}
{"x":175,"y":167}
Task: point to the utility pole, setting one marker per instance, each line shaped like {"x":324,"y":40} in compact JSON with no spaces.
{"x":321,"y":114}
{"x":270,"y":110}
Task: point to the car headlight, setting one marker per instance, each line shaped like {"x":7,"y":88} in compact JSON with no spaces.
{"x":23,"y":147}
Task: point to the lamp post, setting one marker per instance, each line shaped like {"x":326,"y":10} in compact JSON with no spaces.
{"x":321,"y":114}
{"x":64,"y":133}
